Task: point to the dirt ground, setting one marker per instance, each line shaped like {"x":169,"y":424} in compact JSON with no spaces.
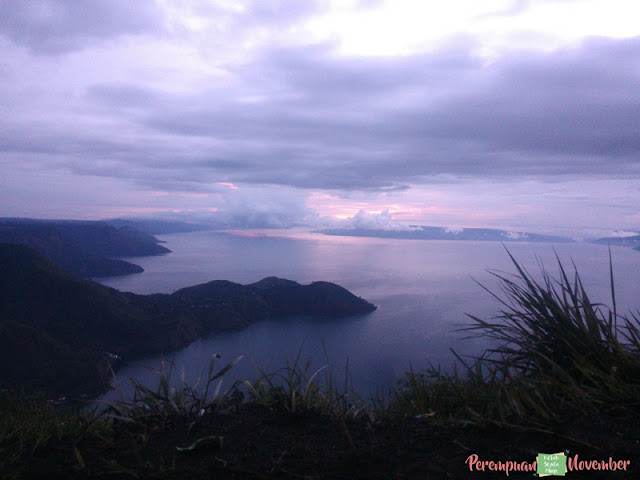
{"x":262,"y":444}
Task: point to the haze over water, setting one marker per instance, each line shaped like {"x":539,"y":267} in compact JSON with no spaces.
{"x":423,"y":291}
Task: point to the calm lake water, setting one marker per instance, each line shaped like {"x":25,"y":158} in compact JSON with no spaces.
{"x":423,"y":290}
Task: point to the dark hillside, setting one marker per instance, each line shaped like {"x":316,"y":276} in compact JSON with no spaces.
{"x":56,"y":327}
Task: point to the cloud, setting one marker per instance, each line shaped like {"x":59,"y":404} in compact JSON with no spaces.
{"x":317,"y":121}
{"x":573,"y":102}
{"x":621,"y":234}
{"x":379,"y":124}
{"x":278,"y":13}
{"x":515,"y":235}
{"x":208,"y":94}
{"x":59,"y":26}
{"x":369,"y":124}
{"x":264,"y":207}
{"x":374,"y":221}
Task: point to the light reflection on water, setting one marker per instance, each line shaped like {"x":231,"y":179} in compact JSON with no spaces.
{"x":423,"y":289}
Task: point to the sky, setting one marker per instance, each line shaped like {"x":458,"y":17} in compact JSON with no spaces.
{"x":514,"y":114}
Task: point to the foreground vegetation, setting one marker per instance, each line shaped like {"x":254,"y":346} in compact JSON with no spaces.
{"x":557,"y":353}
{"x":564,"y":374}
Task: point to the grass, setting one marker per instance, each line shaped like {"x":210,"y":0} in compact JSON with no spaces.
{"x":557,"y":355}
{"x":297,"y":388}
{"x":29,"y":425}
{"x":157,"y":409}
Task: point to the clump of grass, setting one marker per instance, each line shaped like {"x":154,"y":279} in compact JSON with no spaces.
{"x":156,"y":409}
{"x":557,"y":353}
{"x":464,"y":394}
{"x":297,"y":388}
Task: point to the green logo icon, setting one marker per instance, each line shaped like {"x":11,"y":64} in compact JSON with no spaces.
{"x":549,"y":464}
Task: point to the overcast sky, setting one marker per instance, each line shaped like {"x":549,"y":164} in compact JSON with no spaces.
{"x":498,"y":113}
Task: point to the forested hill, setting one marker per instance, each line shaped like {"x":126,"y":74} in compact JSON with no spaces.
{"x":86,"y":248}
{"x":56,"y":329}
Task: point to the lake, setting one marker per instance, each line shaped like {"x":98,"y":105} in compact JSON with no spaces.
{"x":423,"y":290}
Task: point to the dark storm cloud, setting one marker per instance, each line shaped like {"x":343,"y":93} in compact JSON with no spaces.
{"x":304,"y":117}
{"x":317,"y":121}
{"x":57,"y":26}
{"x":573,"y":102}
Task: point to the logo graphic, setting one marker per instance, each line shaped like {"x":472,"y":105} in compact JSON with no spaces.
{"x":549,"y":464}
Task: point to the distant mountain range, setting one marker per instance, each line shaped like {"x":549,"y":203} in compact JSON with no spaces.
{"x":61,"y":333}
{"x":630,"y":241}
{"x":157,"y":226}
{"x":423,"y":232}
{"x":86,"y":248}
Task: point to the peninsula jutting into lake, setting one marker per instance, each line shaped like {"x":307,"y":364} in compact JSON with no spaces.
{"x":67,"y":331}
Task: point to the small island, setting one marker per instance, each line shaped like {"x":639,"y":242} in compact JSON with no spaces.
{"x":60,"y":333}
